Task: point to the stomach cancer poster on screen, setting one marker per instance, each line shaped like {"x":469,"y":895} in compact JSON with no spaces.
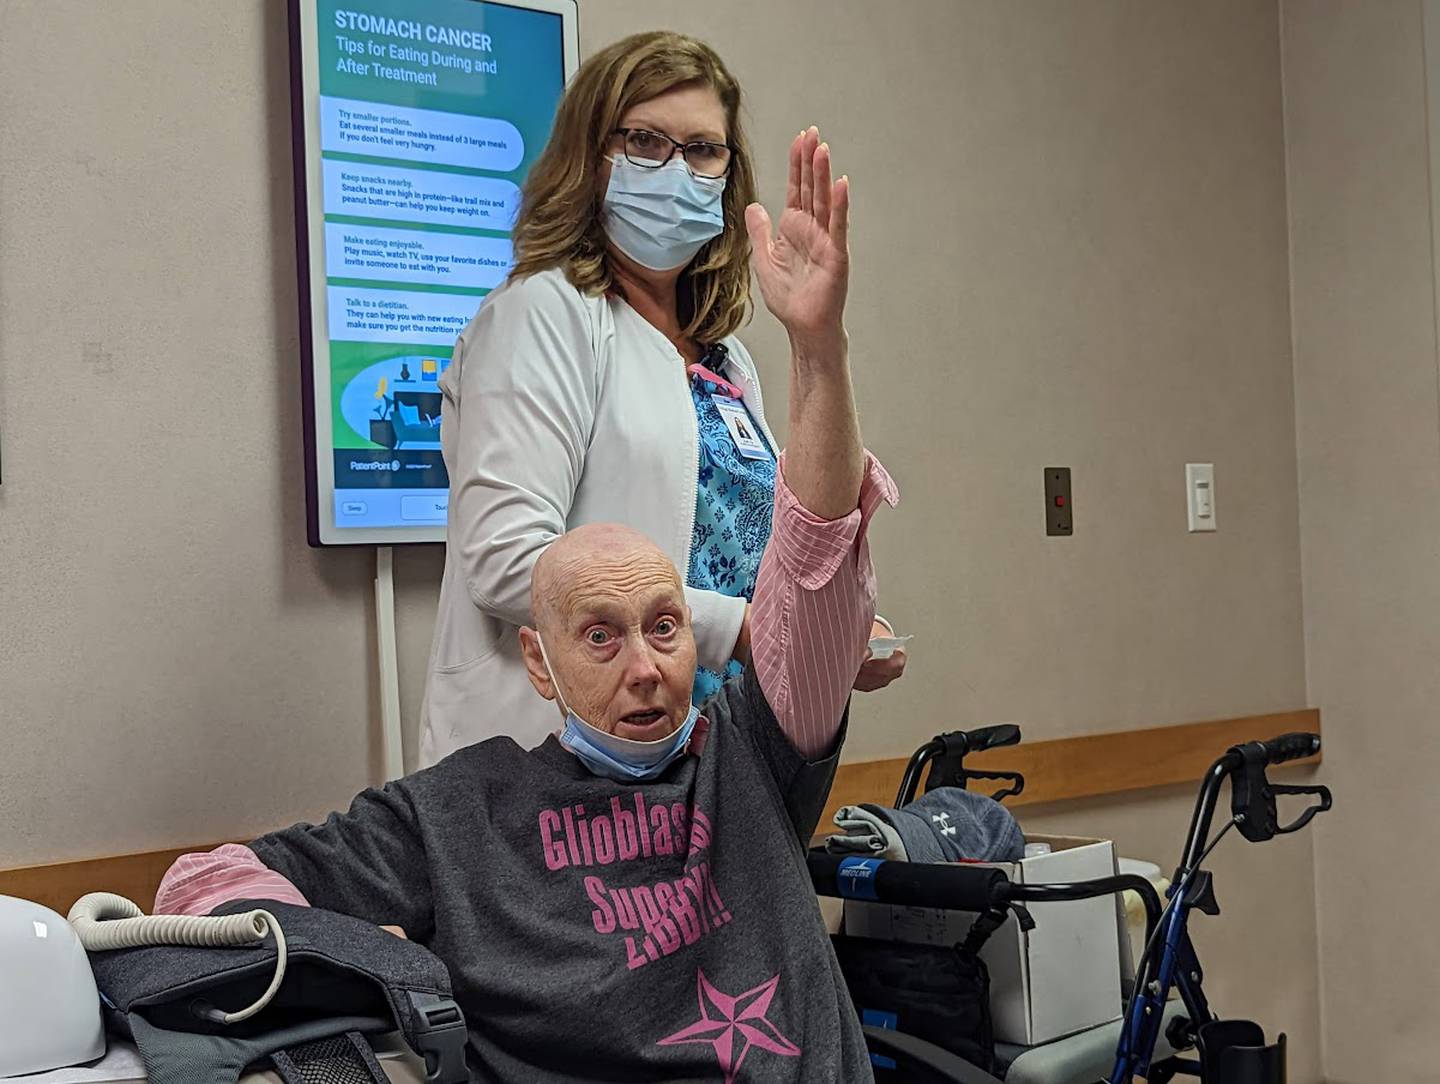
{"x":430,"y":114}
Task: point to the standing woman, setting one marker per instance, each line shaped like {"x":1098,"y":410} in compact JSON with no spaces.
{"x":603,"y":382}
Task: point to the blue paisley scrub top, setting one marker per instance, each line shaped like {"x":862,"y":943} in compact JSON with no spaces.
{"x":734,"y":500}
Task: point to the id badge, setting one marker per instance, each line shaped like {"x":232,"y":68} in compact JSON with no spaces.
{"x":743,"y":430}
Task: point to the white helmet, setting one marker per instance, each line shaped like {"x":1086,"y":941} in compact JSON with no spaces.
{"x":49,"y":1007}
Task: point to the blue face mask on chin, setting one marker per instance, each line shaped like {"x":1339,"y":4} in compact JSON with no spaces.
{"x":622,"y":759}
{"x":612,"y":757}
{"x":661,"y":217}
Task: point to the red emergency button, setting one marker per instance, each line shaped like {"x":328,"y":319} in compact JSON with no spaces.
{"x":1059,"y":502}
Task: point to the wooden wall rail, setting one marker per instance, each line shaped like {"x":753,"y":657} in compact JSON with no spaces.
{"x":1056,"y":770}
{"x":1063,"y":769}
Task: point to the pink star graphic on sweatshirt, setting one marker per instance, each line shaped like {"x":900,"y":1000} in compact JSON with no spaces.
{"x":729,"y":1022}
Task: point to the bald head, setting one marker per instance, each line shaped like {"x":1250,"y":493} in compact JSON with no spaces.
{"x":610,"y":608}
{"x":605,"y":559}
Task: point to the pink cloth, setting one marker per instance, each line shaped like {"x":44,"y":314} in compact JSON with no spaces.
{"x":809,"y":627}
{"x":814,"y":603}
{"x":198,"y":883}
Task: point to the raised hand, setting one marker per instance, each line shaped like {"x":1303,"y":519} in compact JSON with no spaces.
{"x":804,"y":267}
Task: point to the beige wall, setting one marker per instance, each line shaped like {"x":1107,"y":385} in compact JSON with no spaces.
{"x":175,"y":664}
{"x":1070,"y":248}
{"x":1366,"y":401}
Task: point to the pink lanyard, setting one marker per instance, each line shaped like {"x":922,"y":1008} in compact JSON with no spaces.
{"x":726,"y":388}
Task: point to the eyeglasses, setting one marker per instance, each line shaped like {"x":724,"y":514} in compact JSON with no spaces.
{"x":651,"y":150}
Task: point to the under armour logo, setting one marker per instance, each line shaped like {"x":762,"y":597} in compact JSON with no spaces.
{"x":942,"y":824}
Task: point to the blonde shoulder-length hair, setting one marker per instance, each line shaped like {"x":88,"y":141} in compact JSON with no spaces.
{"x":559,"y":222}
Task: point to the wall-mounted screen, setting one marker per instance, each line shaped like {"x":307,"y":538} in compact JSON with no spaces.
{"x":415,"y":122}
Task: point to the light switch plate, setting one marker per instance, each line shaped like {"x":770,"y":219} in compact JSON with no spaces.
{"x":1200,"y":496}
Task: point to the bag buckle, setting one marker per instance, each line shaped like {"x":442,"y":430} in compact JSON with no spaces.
{"x":439,"y":1033}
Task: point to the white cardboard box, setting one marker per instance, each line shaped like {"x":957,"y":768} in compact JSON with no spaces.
{"x":1061,"y":977}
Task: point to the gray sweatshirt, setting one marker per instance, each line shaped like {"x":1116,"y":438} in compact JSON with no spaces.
{"x":602,"y":931}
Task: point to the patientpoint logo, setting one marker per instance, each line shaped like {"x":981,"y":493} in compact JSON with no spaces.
{"x":394,"y":464}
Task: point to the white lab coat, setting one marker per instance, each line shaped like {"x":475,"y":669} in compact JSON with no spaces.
{"x":560,"y":409}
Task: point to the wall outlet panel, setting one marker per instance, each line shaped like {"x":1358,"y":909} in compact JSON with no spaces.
{"x":1059,"y":517}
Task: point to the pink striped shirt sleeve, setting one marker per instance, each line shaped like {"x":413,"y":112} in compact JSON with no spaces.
{"x":814,"y":602}
{"x":198,"y":883}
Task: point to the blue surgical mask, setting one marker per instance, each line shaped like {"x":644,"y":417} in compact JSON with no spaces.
{"x":612,"y":757}
{"x":622,"y":759}
{"x":661,"y":217}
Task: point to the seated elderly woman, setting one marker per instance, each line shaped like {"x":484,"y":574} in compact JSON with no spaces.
{"x":629,"y":901}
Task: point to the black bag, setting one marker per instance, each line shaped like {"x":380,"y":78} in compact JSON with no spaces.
{"x":344,"y":979}
{"x":936,"y":993}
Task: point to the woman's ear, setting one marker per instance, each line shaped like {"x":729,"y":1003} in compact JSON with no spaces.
{"x":535,"y":667}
